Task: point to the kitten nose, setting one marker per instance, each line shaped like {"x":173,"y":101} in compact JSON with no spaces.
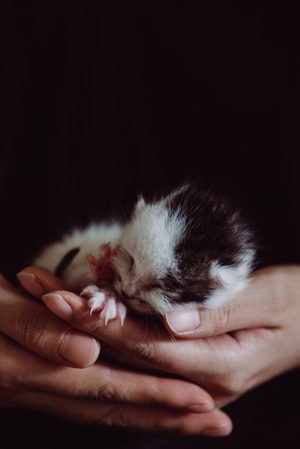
{"x":124,"y":294}
{"x":127,"y":291}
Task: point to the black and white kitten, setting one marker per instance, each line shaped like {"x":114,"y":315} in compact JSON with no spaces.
{"x":189,"y":248}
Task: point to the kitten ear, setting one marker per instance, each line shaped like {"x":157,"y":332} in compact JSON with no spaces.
{"x":139,"y":207}
{"x":223,"y":276}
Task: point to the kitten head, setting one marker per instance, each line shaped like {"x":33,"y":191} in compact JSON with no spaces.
{"x":186,"y":249}
{"x":145,"y":256}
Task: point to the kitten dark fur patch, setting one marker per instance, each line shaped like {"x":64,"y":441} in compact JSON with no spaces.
{"x":188,"y":248}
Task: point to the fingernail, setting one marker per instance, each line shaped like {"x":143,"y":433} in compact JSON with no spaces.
{"x":78,"y":349}
{"x":31,"y":283}
{"x":58,"y":305}
{"x":183,"y":321}
{"x":204,"y":407}
{"x":216,"y":432}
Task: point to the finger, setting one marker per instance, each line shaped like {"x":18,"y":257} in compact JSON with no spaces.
{"x":74,"y":309}
{"x":216,"y":363}
{"x":131,"y":417}
{"x":101,"y":382}
{"x":157,"y":420}
{"x":99,"y":397}
{"x":33,"y":326}
{"x":250,"y":308}
{"x":38,"y":281}
{"x":136,"y":343}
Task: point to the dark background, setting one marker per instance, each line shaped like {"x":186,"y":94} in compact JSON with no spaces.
{"x":102,"y":100}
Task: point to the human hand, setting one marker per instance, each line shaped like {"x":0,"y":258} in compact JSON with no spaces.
{"x":252,"y":339}
{"x":28,"y":323}
{"x":34,"y":376}
{"x":230,"y":351}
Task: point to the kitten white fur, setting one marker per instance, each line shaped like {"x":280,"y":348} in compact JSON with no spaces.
{"x":232,"y":280}
{"x":154,"y":270}
{"x":78,"y":274}
{"x":151,"y":237}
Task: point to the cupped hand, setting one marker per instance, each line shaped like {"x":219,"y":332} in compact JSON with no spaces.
{"x":227,"y":351}
{"x":30,"y":324}
{"x":34,"y":374}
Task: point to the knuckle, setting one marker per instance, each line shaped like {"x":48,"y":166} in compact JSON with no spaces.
{"x":109,"y":390}
{"x":113,"y":415}
{"x":215,"y":320}
{"x":223,"y":317}
{"x":32,"y":329}
{"x":140,"y":353}
{"x":147,"y":354}
{"x":106,"y":393}
{"x":144,"y":351}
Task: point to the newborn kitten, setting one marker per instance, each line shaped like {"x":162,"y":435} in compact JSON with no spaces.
{"x":189,"y":248}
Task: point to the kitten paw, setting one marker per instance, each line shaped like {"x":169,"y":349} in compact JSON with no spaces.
{"x":104,"y":301}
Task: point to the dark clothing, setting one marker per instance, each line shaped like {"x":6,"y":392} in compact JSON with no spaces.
{"x":103,"y":100}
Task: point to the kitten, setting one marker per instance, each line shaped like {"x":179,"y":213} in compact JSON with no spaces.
{"x":189,"y":248}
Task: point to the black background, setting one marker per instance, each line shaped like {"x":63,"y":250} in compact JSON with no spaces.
{"x":102,"y":100}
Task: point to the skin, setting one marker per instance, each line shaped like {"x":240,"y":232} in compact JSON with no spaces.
{"x":49,"y":365}
{"x":228,"y":351}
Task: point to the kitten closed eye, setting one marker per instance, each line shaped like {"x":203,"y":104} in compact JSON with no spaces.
{"x":189,"y":248}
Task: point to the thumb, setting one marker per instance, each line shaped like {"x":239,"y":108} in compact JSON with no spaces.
{"x":255,"y":306}
{"x":198,"y":323}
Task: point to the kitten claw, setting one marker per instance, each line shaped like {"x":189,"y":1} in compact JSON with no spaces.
{"x":104,"y":302}
{"x":109,"y":311}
